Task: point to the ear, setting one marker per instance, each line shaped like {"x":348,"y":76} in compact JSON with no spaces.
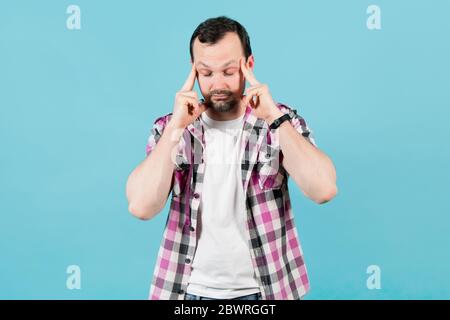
{"x":250,"y":64}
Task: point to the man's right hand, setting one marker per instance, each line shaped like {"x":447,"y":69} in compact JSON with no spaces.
{"x":187,"y":108}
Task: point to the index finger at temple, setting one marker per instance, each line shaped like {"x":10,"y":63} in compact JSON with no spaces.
{"x":248,"y":74}
{"x":190,"y":81}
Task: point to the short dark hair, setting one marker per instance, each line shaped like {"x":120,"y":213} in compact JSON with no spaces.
{"x":213,"y":29}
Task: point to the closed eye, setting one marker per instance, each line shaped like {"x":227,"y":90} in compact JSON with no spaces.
{"x":227,"y":73}
{"x":230,"y":71}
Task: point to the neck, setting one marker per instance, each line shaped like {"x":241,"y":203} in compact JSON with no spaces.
{"x":235,"y":113}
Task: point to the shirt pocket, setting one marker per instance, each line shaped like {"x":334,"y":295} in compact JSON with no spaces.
{"x":269,"y":169}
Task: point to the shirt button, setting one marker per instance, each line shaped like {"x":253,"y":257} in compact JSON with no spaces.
{"x":267,"y":155}
{"x":187,"y":260}
{"x":191,"y":228}
{"x":196,"y":195}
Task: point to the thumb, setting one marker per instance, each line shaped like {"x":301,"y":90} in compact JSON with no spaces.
{"x":202,"y":106}
{"x":246,"y":99}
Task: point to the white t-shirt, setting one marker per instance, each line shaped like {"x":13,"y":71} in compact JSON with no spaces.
{"x":222,"y":267}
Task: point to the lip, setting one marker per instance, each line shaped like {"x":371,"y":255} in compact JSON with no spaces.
{"x":220,"y":96}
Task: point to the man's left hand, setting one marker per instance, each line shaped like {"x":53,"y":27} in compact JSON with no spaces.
{"x":259,"y":97}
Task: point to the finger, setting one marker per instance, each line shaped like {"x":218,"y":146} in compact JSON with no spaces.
{"x":250,"y":93}
{"x":248,"y":74}
{"x":202,"y":107}
{"x":188,"y":94}
{"x":253,"y":101}
{"x":191,"y":105}
{"x":190,"y":81}
{"x":257,"y":88}
{"x":191,"y":101}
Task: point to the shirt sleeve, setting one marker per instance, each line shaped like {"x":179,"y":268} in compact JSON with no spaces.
{"x":299,"y":123}
{"x":181,"y":158}
{"x":155,"y":134}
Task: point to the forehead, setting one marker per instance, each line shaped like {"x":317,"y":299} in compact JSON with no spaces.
{"x":226,"y":49}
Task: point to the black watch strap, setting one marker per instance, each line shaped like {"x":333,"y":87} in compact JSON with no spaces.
{"x":277,"y":122}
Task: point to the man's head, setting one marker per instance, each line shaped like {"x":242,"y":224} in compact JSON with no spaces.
{"x":216,"y":47}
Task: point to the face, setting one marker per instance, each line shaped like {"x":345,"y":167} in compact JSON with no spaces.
{"x":220,"y":79}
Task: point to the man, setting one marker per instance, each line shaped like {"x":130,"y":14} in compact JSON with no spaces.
{"x":230,"y":232}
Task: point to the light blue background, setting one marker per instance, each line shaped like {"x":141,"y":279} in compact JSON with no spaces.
{"x":76,"y":108}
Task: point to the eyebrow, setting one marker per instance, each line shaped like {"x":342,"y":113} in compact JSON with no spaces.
{"x":223,"y":66}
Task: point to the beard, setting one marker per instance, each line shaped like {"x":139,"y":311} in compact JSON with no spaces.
{"x":227,"y":102}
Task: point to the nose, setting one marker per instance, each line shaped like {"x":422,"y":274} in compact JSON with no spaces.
{"x":219,"y":83}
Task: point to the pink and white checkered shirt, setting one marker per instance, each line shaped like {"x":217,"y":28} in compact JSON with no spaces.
{"x":272,"y":236}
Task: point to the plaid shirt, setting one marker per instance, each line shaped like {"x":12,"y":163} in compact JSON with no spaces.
{"x":272,"y":237}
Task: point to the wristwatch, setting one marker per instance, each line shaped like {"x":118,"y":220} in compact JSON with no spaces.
{"x":277,"y":122}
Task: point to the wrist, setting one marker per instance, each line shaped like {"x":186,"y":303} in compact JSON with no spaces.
{"x":173,"y":125}
{"x":273,"y":115}
{"x":174,"y":130}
